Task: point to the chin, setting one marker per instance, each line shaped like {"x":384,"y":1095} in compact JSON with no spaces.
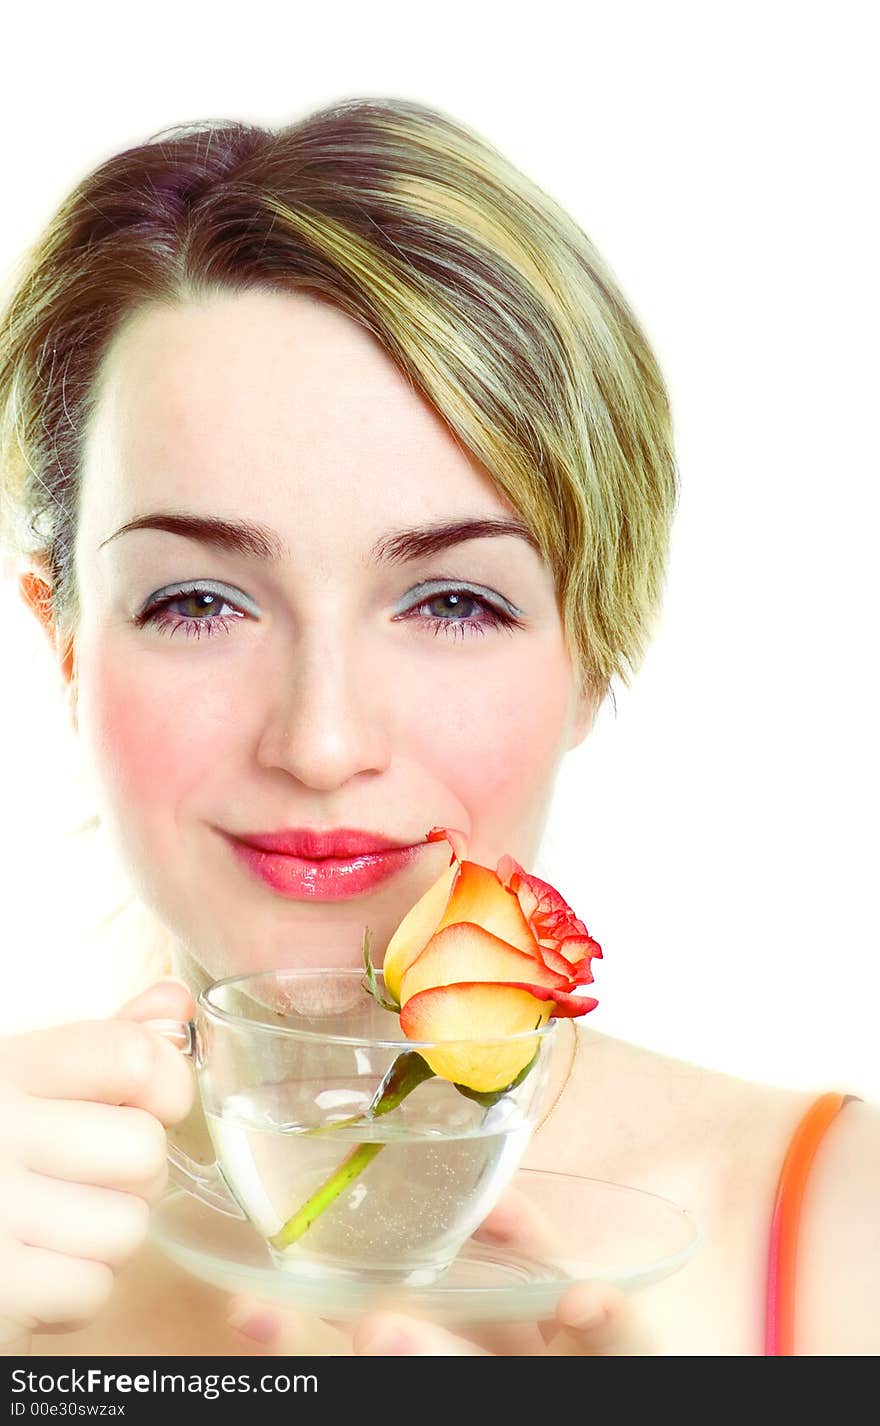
{"x":343,"y":955}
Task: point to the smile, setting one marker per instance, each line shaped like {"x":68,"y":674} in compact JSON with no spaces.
{"x":325,"y":878}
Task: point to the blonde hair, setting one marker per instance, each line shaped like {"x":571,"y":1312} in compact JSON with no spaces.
{"x":485,"y":292}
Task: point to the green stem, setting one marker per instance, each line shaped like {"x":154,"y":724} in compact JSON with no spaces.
{"x":337,"y":1183}
{"x":335,"y":1124}
{"x":406,"y":1072}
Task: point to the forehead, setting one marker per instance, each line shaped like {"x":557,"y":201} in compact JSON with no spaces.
{"x":258,"y":402}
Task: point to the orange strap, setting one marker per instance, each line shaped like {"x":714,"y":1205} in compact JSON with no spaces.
{"x":779,"y":1323}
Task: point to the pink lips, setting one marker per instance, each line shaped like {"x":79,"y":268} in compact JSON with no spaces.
{"x":313,"y":844}
{"x":329,"y":866}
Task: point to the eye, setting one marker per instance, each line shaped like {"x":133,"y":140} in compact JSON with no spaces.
{"x":462,"y":625}
{"x":196,"y":609}
{"x":196,"y":600}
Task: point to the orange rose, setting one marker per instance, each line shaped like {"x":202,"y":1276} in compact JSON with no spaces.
{"x":486,"y":953}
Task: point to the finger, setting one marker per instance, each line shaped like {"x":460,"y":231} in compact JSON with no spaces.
{"x":518,"y":1222}
{"x":512,"y":1339}
{"x":596,"y":1319}
{"x":107,"y":1145}
{"x":54,"y":1287}
{"x":592,"y":1318}
{"x":279,"y":1330}
{"x":589,"y":1317}
{"x":167,"y":999}
{"x":82,"y":1221}
{"x":504,"y":1340}
{"x":391,"y":1334}
{"x":112,"y":1061}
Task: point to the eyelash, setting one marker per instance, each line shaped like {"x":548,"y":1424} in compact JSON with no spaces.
{"x":493,"y":617}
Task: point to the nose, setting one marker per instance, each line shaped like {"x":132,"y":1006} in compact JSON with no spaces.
{"x":326,"y":723}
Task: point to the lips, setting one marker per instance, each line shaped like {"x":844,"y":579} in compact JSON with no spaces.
{"x":312,"y":845}
{"x":324,"y":878}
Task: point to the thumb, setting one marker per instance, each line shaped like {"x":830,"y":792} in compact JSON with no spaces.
{"x":273,"y":1330}
{"x":167,"y":999}
{"x":597,"y":1319}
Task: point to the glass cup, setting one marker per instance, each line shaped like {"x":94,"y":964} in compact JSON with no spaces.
{"x":290,"y":1066}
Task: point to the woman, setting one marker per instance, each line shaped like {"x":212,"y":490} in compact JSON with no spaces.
{"x":364,"y":402}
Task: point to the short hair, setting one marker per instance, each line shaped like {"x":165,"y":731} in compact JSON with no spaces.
{"x":482,"y":289}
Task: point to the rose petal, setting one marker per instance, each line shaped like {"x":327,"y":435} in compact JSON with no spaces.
{"x":565,"y":1002}
{"x":416,"y":929}
{"x":550,"y":918}
{"x":579,"y":974}
{"x":479,"y":897}
{"x":468,"y":1013}
{"x":466,"y":952}
{"x":579,"y":948}
{"x":457,"y":840}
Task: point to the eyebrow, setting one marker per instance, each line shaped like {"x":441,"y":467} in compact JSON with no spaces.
{"x":395,"y":547}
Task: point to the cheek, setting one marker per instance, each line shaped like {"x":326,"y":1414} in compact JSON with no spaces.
{"x":496,"y":744}
{"x":150,"y":743}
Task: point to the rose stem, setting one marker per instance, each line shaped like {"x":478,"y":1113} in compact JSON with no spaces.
{"x":336,"y":1184}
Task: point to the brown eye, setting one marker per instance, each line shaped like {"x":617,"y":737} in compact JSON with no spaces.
{"x":456,"y":600}
{"x":454,"y":623}
{"x":196,"y":606}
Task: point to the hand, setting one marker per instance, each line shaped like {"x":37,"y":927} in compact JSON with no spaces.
{"x":591,"y":1319}
{"x":82,"y":1158}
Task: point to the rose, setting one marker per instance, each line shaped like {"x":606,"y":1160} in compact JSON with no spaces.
{"x":482,"y":959}
{"x":486,"y":954}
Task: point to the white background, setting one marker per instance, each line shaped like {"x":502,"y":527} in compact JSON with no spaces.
{"x":719,"y":834}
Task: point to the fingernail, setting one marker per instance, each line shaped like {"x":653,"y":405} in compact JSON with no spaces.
{"x":588,"y":1321}
{"x":496,"y":1233}
{"x":173,"y":980}
{"x":503,"y":1225}
{"x":386,"y":1344}
{"x":259,"y":1324}
{"x":585,"y":1314}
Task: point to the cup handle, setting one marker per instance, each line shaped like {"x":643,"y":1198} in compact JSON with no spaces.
{"x":204,"y":1181}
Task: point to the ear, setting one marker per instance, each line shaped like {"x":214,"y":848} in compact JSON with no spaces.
{"x":35,"y":589}
{"x":587,"y":704}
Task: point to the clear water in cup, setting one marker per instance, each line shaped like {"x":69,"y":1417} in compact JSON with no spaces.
{"x":443,"y":1164}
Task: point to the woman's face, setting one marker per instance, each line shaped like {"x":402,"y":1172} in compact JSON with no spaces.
{"x":336,"y":685}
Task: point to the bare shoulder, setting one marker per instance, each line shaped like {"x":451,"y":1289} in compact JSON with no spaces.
{"x":669,"y":1124}
{"x":838,"y":1284}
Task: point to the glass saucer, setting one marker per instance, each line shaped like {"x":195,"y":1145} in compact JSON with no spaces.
{"x":579,"y":1230}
